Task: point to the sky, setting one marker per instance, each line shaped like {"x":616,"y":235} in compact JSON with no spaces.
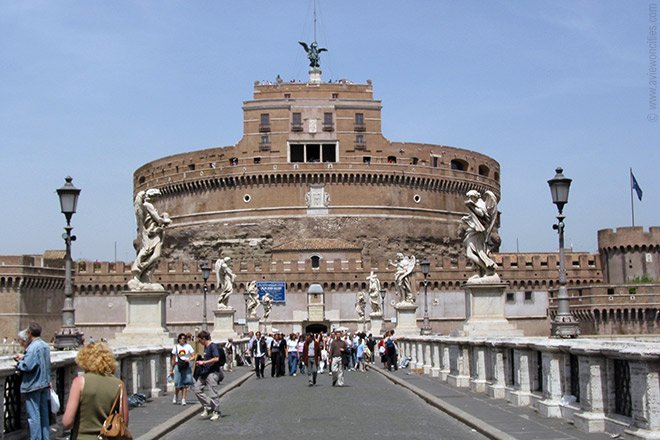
{"x":95,"y":89}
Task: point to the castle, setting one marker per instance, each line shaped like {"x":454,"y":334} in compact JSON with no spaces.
{"x":313,"y":193}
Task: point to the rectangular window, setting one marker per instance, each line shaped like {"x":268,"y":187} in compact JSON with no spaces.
{"x":296,"y":122}
{"x":327,"y":122}
{"x":313,"y":153}
{"x":264,"y":125}
{"x":366,"y":159}
{"x":335,"y":96}
{"x":436,"y":161}
{"x":329,"y":153}
{"x":359,"y":119}
{"x":528,"y":296}
{"x":297,"y":153}
{"x":287,"y":96}
{"x":509,"y":297}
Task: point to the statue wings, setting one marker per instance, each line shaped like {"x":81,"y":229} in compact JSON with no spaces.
{"x":491,"y":209}
{"x":304,"y":45}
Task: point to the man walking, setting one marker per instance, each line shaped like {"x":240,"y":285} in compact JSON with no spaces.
{"x":337,"y":348}
{"x":311,"y":356}
{"x":258,"y":350}
{"x":35,"y":383}
{"x":210,"y":376}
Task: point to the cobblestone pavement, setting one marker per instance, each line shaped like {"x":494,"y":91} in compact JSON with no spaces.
{"x":367,"y":406}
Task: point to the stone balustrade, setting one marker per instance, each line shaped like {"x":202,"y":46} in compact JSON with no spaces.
{"x":601,"y":386}
{"x":143,"y":369}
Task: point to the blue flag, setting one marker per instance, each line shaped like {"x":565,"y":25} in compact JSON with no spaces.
{"x":635,"y":185}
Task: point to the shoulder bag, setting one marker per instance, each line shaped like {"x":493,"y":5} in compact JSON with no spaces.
{"x":114,"y":427}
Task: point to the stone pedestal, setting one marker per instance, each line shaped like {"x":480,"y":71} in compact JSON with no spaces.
{"x":484,"y":309}
{"x":376,"y":324}
{"x":223,"y":324}
{"x":145,"y":320}
{"x":266,"y":327}
{"x":406,"y":320}
{"x":252,"y":324}
{"x":315,"y":75}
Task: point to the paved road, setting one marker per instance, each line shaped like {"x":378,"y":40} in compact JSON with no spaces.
{"x":367,"y":406}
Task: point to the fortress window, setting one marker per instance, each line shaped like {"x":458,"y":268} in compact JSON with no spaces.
{"x":141,"y":180}
{"x":359,"y":142}
{"x":510,"y":298}
{"x":191,"y":167}
{"x":287,"y":96}
{"x":359,"y":122}
{"x":391,"y":159}
{"x":335,"y":96}
{"x":296,"y":123}
{"x":316,"y":262}
{"x":257,"y":160}
{"x":483,"y":170}
{"x":265,"y":122}
{"x":459,"y":165}
{"x":528,"y":296}
{"x":366,"y":159}
{"x":313,"y":153}
{"x":233,"y":161}
{"x":436,"y":161}
{"x":327,"y":122}
{"x":414,"y":161}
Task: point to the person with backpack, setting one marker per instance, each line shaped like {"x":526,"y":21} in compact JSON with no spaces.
{"x":210,"y":376}
{"x":391,"y":350}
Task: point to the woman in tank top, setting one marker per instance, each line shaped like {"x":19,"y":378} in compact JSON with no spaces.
{"x":92,"y":395}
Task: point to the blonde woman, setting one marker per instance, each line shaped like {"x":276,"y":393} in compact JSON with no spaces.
{"x":92,"y":394}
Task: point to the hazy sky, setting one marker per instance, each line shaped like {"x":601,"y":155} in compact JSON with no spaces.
{"x":95,"y":89}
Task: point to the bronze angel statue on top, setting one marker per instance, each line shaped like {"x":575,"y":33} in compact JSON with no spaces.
{"x":480,"y":221}
{"x":313,"y":52}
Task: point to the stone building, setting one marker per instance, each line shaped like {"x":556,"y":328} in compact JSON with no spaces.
{"x":31,"y":289}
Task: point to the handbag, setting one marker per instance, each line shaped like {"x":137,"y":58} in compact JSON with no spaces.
{"x":114,"y":428}
{"x":54,"y":402}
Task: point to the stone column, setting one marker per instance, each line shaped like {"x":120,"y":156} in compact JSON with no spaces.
{"x":412,"y":352}
{"x":645,"y":393}
{"x":436,"y":361}
{"x":522,"y":393}
{"x":552,"y":383}
{"x":154,"y":361}
{"x":593,"y":384}
{"x":459,"y":359}
{"x":445,"y":367}
{"x":428,"y":362}
{"x":497,"y":386}
{"x":419,"y":365}
{"x":478,"y":382}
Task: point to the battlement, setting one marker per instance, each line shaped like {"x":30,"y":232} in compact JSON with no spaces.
{"x":629,"y":238}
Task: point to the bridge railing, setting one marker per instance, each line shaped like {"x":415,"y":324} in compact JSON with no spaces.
{"x":601,"y":386}
{"x":143,"y":369}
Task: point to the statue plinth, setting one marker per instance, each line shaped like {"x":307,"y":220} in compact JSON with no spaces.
{"x":146,"y":322}
{"x":376,"y":323}
{"x":252,"y":324}
{"x":223,"y":324}
{"x":484,"y":310}
{"x":406,"y":319}
{"x":266,"y":327}
{"x":315,"y":75}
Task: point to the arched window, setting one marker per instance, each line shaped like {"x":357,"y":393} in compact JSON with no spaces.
{"x":459,"y":165}
{"x":315,"y":261}
{"x":483,"y":170}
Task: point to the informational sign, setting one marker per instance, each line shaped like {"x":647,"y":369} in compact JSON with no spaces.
{"x":276,"y":289}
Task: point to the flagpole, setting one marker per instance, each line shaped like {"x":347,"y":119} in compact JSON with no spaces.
{"x":632,"y":203}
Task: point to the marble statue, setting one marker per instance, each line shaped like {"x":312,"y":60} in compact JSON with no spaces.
{"x":267,"y":304}
{"x":360,"y":303}
{"x":252,"y":299}
{"x":150,"y":230}
{"x":225,"y":277}
{"x":313,"y":52}
{"x":405,"y":267}
{"x":480,"y":221}
{"x":374,"y":294}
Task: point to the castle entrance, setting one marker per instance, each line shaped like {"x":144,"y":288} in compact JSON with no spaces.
{"x":316,"y":328}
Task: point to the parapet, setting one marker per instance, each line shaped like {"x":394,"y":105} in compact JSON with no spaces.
{"x":627,"y":238}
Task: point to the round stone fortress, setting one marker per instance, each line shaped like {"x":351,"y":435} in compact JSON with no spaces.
{"x":313,"y":165}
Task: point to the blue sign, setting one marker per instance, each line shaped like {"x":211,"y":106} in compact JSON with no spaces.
{"x":276,"y":289}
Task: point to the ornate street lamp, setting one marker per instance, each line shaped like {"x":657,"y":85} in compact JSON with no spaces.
{"x":68,"y":336}
{"x":206,"y":272}
{"x":564,"y":325}
{"x":383,"y":294}
{"x":426,"y":327}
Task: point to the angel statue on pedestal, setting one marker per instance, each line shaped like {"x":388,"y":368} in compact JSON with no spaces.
{"x":480,"y":221}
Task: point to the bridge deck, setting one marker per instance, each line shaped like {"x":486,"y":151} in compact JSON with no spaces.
{"x":369,"y":405}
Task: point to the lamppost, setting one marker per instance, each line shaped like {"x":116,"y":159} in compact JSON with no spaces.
{"x":68,"y":336}
{"x":206,"y":272}
{"x":383,"y":293}
{"x":426,"y":327}
{"x":564,"y":325}
{"x":246,"y":298}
